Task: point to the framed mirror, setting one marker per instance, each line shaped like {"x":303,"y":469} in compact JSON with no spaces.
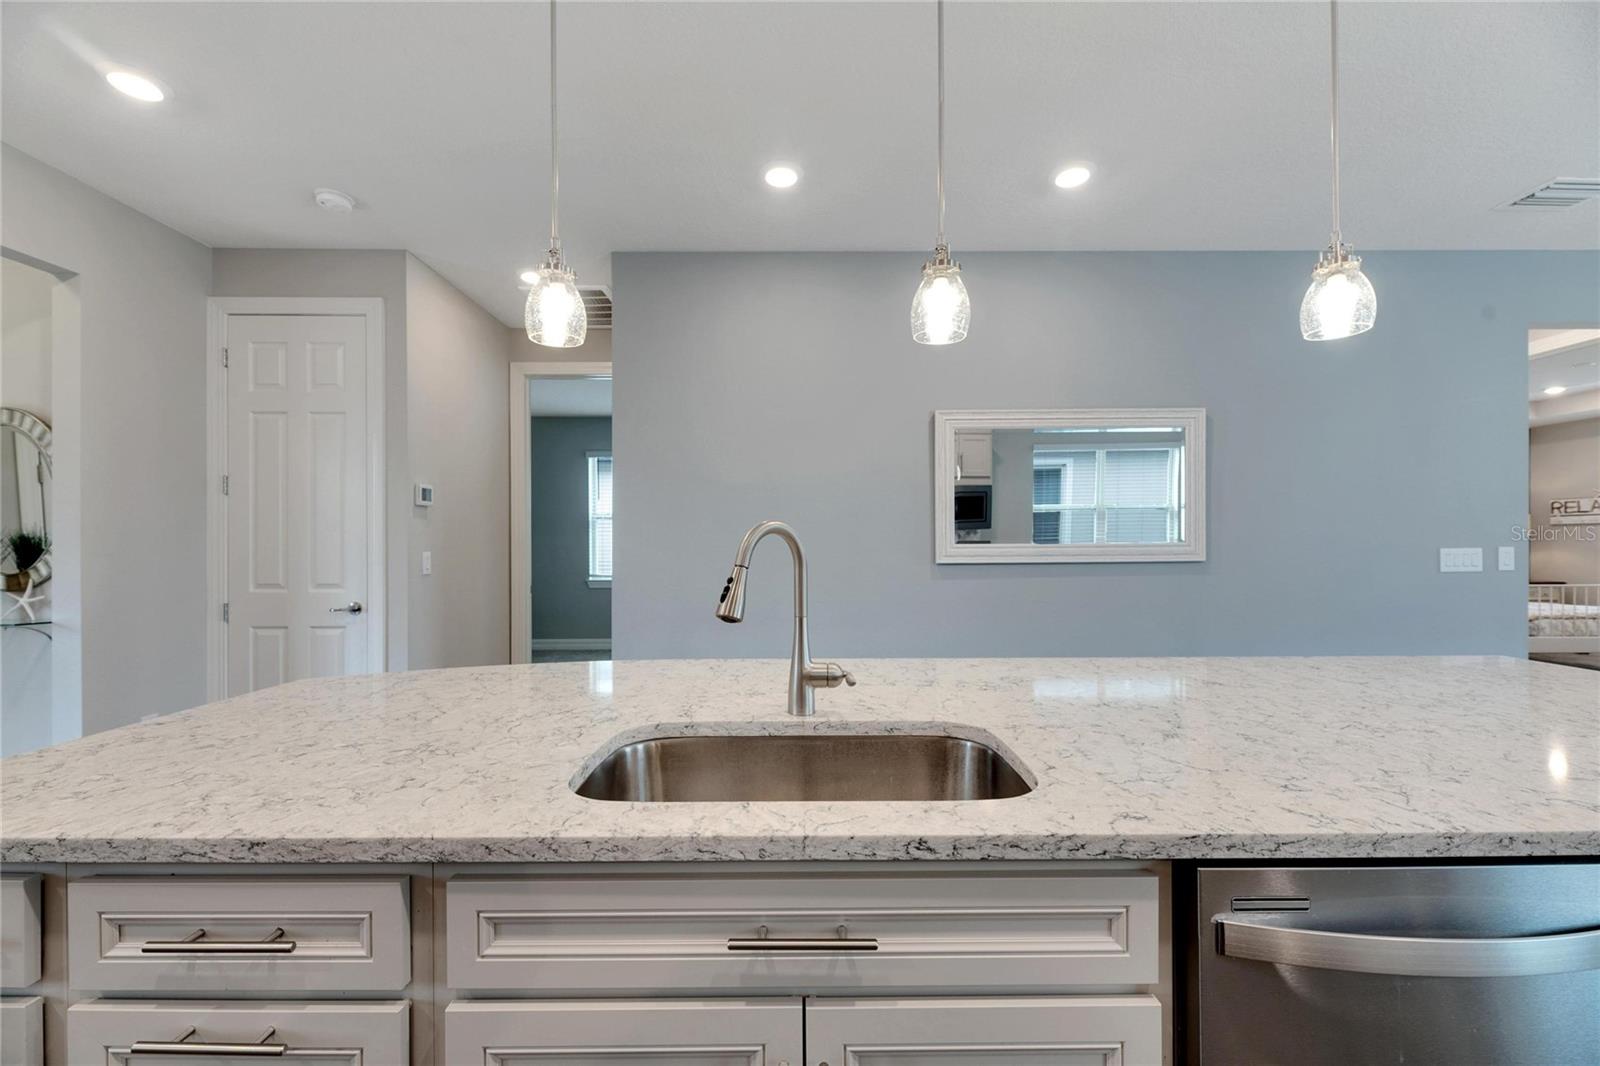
{"x":25,"y":488}
{"x":1070,"y":486}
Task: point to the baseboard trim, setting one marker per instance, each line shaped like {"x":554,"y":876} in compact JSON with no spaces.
{"x":570,"y":644}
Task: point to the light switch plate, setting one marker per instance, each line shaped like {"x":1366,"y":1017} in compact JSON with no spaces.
{"x":1460,"y":560}
{"x":427,"y":563}
{"x":1508,"y":557}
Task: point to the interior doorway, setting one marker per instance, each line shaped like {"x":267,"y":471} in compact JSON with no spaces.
{"x":1563,"y":530}
{"x":562,"y":512}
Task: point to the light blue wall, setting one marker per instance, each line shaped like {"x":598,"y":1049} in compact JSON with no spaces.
{"x":752,"y":386}
{"x":564,"y":606}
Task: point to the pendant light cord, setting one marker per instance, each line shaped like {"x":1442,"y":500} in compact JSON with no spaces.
{"x":555,"y":165}
{"x":940,"y":179}
{"x":1333,"y":108}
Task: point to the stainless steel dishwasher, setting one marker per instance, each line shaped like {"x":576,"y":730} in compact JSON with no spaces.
{"x":1488,"y":965}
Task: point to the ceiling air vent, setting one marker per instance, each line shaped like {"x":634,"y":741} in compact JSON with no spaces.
{"x":1562,"y":192}
{"x":597,"y":305}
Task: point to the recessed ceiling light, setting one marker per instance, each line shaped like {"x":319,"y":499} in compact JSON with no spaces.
{"x":782,"y":176}
{"x":1555,"y":390}
{"x":528,"y":277}
{"x":1072,"y":177}
{"x":136,"y":85}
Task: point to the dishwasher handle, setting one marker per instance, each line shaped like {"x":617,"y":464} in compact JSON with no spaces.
{"x":1408,"y":956}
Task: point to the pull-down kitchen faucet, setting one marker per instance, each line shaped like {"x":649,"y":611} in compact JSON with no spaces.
{"x":804,"y":675}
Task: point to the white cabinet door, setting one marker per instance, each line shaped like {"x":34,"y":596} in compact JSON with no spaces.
{"x":297,"y":498}
{"x":22,"y":1031}
{"x":974,"y":456}
{"x":723,"y":1032}
{"x":1019,"y":1031}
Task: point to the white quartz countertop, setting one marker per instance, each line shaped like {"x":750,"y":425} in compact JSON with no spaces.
{"x":1131,"y":758}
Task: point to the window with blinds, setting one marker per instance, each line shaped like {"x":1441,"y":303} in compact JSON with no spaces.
{"x":1123,"y":495}
{"x":599,"y":517}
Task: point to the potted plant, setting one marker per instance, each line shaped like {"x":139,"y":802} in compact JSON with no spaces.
{"x":23,"y":548}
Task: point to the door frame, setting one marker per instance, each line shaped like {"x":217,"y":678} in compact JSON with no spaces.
{"x":521,"y":445}
{"x":218,"y":308}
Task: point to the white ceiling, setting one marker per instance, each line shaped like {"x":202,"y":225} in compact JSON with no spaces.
{"x":1568,"y":357}
{"x":569,"y":397}
{"x":1205,"y":123}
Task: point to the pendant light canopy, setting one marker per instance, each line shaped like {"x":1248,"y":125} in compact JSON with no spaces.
{"x":940,"y":310}
{"x":1340,"y":301}
{"x":554,"y":314}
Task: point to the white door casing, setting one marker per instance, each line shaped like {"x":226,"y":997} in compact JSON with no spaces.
{"x":297,"y":521}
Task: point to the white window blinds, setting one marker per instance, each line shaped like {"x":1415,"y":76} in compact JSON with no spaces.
{"x":599,"y":517}
{"x":1107,"y":495}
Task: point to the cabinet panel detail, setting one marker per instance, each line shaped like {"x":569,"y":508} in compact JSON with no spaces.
{"x":20,"y":957}
{"x":22,"y":1031}
{"x":117,"y":1032}
{"x":1021,"y":1031}
{"x":227,"y":934}
{"x":641,"y":932}
{"x":730,"y":1032}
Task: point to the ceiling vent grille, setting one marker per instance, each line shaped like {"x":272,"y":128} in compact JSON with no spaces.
{"x":597,"y":305}
{"x":1562,"y":192}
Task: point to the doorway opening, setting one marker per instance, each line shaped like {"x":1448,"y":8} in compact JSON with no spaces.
{"x":562,"y":512}
{"x":1563,"y":529}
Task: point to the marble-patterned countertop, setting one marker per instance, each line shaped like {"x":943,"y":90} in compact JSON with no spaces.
{"x":1131,"y":758}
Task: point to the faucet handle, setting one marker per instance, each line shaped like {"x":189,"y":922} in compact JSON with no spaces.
{"x":830,"y":675}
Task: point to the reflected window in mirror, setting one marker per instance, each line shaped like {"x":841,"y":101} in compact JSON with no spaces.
{"x":1070,"y":485}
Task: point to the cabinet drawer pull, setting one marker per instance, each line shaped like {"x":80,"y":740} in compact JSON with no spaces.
{"x":762,"y":942}
{"x":184,"y":1046}
{"x":196,"y":944}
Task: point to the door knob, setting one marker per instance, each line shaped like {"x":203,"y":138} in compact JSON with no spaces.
{"x":353,"y":607}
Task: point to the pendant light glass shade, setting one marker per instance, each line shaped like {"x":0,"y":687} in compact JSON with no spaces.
{"x":554,"y":314}
{"x":1340,"y":301}
{"x":940,"y":310}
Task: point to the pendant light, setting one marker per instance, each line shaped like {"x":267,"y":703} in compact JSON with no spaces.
{"x":1340,"y":301}
{"x":940,"y":310}
{"x":554,"y":314}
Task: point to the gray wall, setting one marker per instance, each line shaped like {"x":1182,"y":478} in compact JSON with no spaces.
{"x":457,"y":425}
{"x":564,"y":606}
{"x":1563,"y":464}
{"x":753,"y":386}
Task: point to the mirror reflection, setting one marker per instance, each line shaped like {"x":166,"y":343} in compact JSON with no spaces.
{"x":24,"y":494}
{"x":1077,"y":484}
{"x":1110,"y":485}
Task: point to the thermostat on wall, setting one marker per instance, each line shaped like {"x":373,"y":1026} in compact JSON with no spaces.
{"x":424,"y":495}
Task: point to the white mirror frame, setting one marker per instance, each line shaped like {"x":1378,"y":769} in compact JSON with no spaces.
{"x":946,"y":424}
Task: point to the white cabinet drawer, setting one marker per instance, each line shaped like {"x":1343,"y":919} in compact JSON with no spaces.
{"x":632,"y":932}
{"x":728,"y":1032}
{"x":20,"y":957}
{"x":22,"y":1031}
{"x":112,"y":1032}
{"x":1022,"y":1031}
{"x":139,"y":934}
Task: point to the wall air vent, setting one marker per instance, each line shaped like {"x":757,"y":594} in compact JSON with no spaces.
{"x":1562,"y":192}
{"x":597,"y":305}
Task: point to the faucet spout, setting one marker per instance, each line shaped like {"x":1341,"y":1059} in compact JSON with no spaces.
{"x":804,"y":675}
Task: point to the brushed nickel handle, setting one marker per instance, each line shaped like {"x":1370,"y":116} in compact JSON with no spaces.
{"x":762,"y":942}
{"x":1409,"y":956}
{"x":196,"y":944}
{"x":184,"y":1046}
{"x":353,"y":607}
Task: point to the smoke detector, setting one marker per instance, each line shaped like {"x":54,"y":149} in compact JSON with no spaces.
{"x":334,"y":200}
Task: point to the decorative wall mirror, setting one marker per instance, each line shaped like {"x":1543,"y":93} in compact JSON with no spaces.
{"x":1079,"y":486}
{"x":25,"y":476}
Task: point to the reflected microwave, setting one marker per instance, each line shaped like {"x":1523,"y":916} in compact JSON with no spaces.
{"x":972,"y":507}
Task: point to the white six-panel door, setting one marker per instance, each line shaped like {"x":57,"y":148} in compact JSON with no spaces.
{"x":296,"y":501}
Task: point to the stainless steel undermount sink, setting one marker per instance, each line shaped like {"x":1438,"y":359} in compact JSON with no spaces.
{"x":816,"y":768}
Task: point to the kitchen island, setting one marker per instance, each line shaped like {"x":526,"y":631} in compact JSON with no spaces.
{"x":415,"y":841}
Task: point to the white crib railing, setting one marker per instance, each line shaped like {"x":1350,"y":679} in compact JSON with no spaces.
{"x":1564,"y":618}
